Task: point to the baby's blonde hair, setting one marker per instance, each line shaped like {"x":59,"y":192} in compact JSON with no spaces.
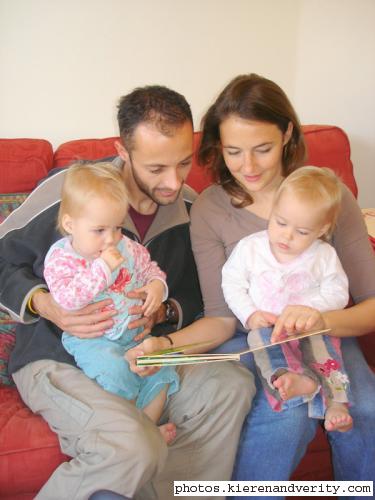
{"x":84,"y":181}
{"x":317,"y":185}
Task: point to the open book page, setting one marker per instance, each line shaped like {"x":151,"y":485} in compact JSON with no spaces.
{"x":176,"y":356}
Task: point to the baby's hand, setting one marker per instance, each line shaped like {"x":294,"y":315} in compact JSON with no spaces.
{"x":260,"y":319}
{"x":154,"y":296}
{"x":296,"y":319}
{"x":112,"y":257}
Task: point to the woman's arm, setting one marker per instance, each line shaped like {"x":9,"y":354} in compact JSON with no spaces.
{"x":215,"y":330}
{"x":355,"y":321}
{"x":352,"y":245}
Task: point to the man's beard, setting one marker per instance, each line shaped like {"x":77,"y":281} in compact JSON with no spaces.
{"x":152,"y":194}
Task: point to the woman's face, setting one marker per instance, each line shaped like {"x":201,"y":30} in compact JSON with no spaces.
{"x":252,"y":151}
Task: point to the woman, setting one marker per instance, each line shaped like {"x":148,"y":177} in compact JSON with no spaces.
{"x":251,"y":140}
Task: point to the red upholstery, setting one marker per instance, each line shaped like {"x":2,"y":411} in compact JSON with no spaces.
{"x":84,"y":149}
{"x":29,"y":450}
{"x":23,"y":162}
{"x":328,"y":146}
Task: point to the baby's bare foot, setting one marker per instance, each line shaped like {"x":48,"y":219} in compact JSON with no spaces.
{"x":291,"y":385}
{"x":338,"y":418}
{"x":168,"y":431}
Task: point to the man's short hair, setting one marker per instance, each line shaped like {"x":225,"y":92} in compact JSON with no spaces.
{"x":154,"y":104}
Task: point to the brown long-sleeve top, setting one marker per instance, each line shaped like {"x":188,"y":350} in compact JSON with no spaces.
{"x":217,"y":226}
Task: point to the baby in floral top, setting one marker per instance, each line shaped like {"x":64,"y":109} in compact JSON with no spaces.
{"x":95,"y":261}
{"x":290,"y":269}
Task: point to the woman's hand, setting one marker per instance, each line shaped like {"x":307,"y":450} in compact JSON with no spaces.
{"x":90,"y":321}
{"x":148,"y":346}
{"x":296,"y":319}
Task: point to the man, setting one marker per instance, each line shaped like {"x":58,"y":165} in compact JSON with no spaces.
{"x":113,"y":445}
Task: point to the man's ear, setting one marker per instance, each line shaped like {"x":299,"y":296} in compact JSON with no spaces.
{"x":288,"y":133}
{"x":122,"y":151}
{"x":67,"y":223}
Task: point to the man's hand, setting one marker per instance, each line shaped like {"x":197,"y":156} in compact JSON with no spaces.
{"x":148,"y":346}
{"x":296,"y":319}
{"x":112,"y":257}
{"x":260,"y":319}
{"x":90,"y":321}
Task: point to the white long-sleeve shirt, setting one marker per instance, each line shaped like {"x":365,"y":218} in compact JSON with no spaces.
{"x":252,"y":278}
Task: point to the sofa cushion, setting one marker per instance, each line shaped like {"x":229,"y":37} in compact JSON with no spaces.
{"x":29,"y":450}
{"x":7,"y":341}
{"x":328,"y":146}
{"x":8,"y":203}
{"x":84,"y":149}
{"x":23,"y":162}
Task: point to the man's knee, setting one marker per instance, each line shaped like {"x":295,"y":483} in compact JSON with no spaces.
{"x":142,"y":444}
{"x":151,"y":451}
{"x":232,"y":384}
{"x":218,"y":385}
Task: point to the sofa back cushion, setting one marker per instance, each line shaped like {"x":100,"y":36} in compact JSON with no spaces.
{"x":327,"y":146}
{"x":84,"y":149}
{"x":23,"y":162}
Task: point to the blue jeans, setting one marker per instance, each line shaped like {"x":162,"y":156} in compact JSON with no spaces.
{"x":272,"y":444}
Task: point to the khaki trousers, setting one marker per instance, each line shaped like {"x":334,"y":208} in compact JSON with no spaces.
{"x":116,"y":447}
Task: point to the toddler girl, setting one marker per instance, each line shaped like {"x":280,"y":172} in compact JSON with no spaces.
{"x":290,"y":268}
{"x":95,"y":261}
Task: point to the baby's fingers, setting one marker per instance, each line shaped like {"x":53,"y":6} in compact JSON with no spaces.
{"x":149,"y":306}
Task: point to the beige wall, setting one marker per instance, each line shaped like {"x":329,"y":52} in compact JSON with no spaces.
{"x":335,"y":77}
{"x":64,"y":63}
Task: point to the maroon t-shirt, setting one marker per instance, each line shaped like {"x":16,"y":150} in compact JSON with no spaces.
{"x":141,"y":221}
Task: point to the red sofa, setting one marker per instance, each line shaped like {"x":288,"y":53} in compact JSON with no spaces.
{"x":29,"y":450}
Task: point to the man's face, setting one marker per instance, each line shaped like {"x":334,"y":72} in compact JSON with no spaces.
{"x":160,"y":164}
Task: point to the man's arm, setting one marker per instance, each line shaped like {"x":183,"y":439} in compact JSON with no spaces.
{"x":17,"y":286}
{"x":25,"y":237}
{"x":21,"y":263}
